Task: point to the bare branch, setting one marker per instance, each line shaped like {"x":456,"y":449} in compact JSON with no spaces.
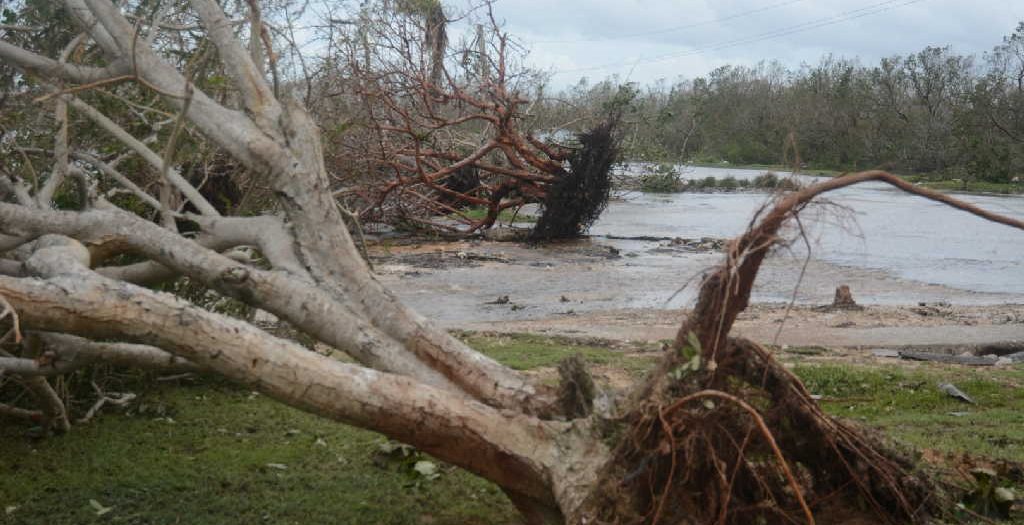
{"x":48,"y":68}
{"x":60,"y":140}
{"x":291,"y":299}
{"x":150,"y":156}
{"x":256,"y":94}
{"x":62,"y":353}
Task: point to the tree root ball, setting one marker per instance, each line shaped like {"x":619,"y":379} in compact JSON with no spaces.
{"x":695,"y":452}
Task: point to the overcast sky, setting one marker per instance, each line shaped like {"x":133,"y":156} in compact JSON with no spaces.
{"x":646,"y":40}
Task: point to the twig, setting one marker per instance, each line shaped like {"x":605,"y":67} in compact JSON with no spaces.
{"x":799,"y":280}
{"x":113,"y":398}
{"x":167,"y":212}
{"x":9,"y":310}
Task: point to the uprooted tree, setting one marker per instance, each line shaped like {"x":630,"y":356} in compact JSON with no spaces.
{"x":422,"y":132}
{"x":718,"y":433}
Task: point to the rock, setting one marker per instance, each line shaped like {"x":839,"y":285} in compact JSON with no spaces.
{"x":938,"y":309}
{"x":968,"y":360}
{"x":955,"y":392}
{"x":500,"y":300}
{"x":1016,"y":357}
{"x":505,"y":234}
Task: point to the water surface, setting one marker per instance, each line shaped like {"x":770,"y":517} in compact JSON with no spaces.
{"x":870,"y":226}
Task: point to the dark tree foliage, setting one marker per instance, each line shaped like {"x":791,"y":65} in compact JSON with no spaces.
{"x":465,"y":180}
{"x":936,"y":113}
{"x":575,"y":201}
{"x":215,"y":182}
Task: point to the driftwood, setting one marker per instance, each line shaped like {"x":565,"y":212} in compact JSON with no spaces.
{"x":969,"y":360}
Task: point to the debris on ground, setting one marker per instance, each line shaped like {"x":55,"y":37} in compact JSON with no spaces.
{"x":955,"y":393}
{"x":681,"y":245}
{"x":506,"y":234}
{"x":990,"y":498}
{"x":967,"y":359}
{"x":936,"y":309}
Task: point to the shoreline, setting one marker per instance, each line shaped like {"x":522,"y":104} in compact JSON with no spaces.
{"x":870,"y":328}
{"x":943,"y":185}
{"x":593,"y":289}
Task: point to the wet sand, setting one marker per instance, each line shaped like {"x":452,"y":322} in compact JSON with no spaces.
{"x":623,"y":289}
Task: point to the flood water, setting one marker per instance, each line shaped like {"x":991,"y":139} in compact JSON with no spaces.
{"x":889,"y":247}
{"x":872,"y":226}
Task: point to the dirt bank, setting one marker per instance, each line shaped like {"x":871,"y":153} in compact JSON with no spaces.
{"x":873,"y":327}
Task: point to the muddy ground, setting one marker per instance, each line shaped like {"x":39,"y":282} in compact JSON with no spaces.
{"x":629,"y":289}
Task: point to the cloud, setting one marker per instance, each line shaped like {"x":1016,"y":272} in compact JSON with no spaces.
{"x":651,"y":39}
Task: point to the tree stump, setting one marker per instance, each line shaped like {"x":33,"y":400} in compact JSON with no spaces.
{"x":844,"y":299}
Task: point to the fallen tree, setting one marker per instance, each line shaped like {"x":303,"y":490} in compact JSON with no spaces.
{"x":720,"y":432}
{"x":437,"y":137}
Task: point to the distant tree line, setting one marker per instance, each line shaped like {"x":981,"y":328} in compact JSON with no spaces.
{"x":932,"y":112}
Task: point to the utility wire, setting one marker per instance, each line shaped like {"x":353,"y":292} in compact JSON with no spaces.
{"x":674,"y":29}
{"x":846,"y":16}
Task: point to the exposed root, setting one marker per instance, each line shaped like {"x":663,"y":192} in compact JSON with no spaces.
{"x":576,"y":390}
{"x":745,"y":443}
{"x":761,"y":427}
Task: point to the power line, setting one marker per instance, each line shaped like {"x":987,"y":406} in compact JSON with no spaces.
{"x":672,"y":29}
{"x":846,"y":16}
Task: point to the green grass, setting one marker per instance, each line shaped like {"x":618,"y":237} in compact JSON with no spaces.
{"x":907,"y":405}
{"x":198,"y":453}
{"x":529,"y":351}
{"x":779,"y":168}
{"x":973,"y":186}
{"x":939,"y":181}
{"x":208,"y":465}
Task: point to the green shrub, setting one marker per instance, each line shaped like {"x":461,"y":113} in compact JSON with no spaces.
{"x":766,"y":180}
{"x":663,"y":178}
{"x":788,"y":185}
{"x":708,"y":182}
